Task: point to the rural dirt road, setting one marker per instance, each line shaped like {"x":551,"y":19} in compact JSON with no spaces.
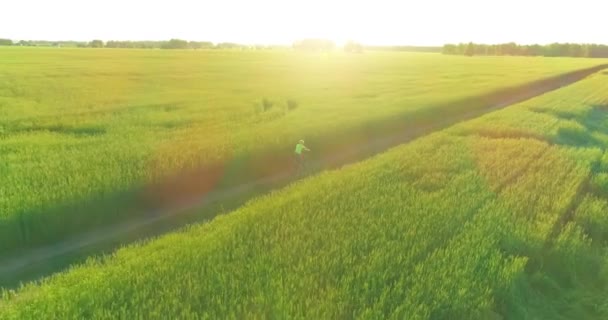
{"x":34,"y":263}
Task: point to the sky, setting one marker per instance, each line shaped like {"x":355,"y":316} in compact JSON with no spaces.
{"x":373,"y":22}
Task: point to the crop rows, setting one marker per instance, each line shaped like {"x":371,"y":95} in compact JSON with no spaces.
{"x":486,"y":219}
{"x":81,"y":129}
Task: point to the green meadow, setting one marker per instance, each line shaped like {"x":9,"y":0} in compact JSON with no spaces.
{"x":500,"y":217}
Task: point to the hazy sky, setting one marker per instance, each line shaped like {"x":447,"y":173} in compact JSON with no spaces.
{"x":423,"y":22}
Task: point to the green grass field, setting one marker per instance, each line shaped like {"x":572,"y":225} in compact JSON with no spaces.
{"x":80,"y":129}
{"x":499,"y":217}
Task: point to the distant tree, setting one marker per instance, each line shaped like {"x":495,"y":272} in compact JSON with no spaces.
{"x":585,"y":50}
{"x":491,"y":50}
{"x":6,"y":42}
{"x":598,"y":51}
{"x":228,"y":45}
{"x":405,"y":48}
{"x":96,"y":44}
{"x":510,"y":49}
{"x":175,"y":44}
{"x":577,"y":50}
{"x":353,"y":47}
{"x":113,"y":44}
{"x":552,"y":50}
{"x":462,"y":48}
{"x":524,"y":51}
{"x":480,"y":49}
{"x":470,"y":49}
{"x":536,"y":50}
{"x":449,"y":49}
{"x":200,"y":45}
{"x":563,"y":49}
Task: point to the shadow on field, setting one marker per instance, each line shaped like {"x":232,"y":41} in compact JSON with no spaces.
{"x":594,"y":125}
{"x":35,"y":247}
{"x":592,"y":130}
{"x":563,"y":281}
{"x":569,"y":265}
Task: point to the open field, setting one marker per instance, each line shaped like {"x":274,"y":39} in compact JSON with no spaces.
{"x":501,"y":216}
{"x":82,"y":129}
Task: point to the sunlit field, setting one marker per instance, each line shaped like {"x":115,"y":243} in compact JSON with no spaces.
{"x":501,"y":217}
{"x":78,"y":125}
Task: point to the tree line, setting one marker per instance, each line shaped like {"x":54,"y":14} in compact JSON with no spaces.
{"x":406,"y":48}
{"x":513,"y":49}
{"x":169,"y":44}
{"x":304,"y":45}
{"x":43,"y":43}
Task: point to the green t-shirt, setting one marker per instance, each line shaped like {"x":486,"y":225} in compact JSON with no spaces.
{"x":299,"y":148}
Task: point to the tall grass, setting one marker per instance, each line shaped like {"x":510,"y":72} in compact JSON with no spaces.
{"x":496,"y":217}
{"x":81,"y":129}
